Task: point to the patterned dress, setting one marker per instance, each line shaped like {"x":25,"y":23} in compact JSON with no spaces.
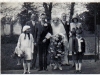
{"x":56,"y":49}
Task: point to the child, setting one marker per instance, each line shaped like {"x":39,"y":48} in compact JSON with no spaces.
{"x":25,"y":44}
{"x":79,"y":50}
{"x":57,"y":51}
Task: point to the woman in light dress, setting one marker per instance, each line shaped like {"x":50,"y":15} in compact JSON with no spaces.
{"x":75,"y":24}
{"x":58,"y":29}
{"x":25,"y":44}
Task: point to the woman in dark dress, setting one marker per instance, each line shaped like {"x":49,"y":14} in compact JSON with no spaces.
{"x":71,"y":44}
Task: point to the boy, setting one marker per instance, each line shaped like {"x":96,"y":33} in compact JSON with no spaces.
{"x":79,"y":50}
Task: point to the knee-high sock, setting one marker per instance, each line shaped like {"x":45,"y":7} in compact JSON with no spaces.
{"x":29,"y":65}
{"x":80,"y":65}
{"x":24,"y":66}
{"x":76,"y":65}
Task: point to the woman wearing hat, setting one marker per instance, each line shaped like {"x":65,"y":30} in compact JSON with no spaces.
{"x":76,"y":24}
{"x":25,"y":44}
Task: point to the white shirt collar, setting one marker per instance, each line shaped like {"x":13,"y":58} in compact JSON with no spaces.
{"x":79,"y":38}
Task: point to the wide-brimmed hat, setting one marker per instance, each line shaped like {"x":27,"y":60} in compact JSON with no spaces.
{"x":26,"y":27}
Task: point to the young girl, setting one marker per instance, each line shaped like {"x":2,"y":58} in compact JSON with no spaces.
{"x":57,"y":51}
{"x":25,"y":44}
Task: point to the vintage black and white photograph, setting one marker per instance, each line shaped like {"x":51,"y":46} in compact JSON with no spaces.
{"x":50,"y":37}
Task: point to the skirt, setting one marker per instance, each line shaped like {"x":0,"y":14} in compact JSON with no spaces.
{"x":28,"y":55}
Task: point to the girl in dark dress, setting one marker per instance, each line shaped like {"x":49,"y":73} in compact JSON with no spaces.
{"x":71,"y":44}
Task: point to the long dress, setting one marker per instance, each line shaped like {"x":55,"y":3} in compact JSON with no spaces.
{"x":59,"y":29}
{"x":26,"y":45}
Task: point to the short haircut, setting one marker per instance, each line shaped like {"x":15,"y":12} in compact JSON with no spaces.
{"x":32,"y":15}
{"x":74,"y":19}
{"x":43,"y":14}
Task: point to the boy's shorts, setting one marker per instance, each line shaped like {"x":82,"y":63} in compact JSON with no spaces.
{"x":79,"y":56}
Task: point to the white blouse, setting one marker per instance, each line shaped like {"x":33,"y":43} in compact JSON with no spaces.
{"x":79,"y":44}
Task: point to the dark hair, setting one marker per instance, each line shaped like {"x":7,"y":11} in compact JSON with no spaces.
{"x":27,"y":34}
{"x":43,"y":14}
{"x":79,"y":30}
{"x":73,"y":33}
{"x":74,"y":19}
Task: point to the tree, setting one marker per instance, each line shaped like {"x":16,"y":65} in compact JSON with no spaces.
{"x":71,"y":11}
{"x":94,"y":11}
{"x":24,"y":14}
{"x":48,"y":9}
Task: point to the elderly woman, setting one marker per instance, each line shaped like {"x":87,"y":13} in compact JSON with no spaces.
{"x":58,"y":29}
{"x":25,"y":44}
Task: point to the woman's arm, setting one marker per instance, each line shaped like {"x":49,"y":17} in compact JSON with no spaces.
{"x":32,"y":41}
{"x":19,"y":41}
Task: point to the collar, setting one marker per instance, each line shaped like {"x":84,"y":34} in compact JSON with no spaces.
{"x":79,"y":38}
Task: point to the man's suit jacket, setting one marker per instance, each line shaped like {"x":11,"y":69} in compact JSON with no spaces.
{"x":41,"y":31}
{"x":76,"y":45}
{"x":67,"y":28}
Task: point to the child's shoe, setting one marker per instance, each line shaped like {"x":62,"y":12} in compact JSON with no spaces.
{"x":55,"y":67}
{"x":60,"y":68}
{"x":25,"y":73}
{"x":80,"y":71}
{"x":29,"y":72}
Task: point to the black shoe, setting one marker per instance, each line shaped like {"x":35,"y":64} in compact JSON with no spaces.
{"x":73,"y":66}
{"x":34,"y":68}
{"x":45,"y":69}
{"x":25,"y":73}
{"x":28,"y":72}
{"x":76,"y":71}
{"x":80,"y":71}
{"x":67,"y":64}
{"x":40,"y":70}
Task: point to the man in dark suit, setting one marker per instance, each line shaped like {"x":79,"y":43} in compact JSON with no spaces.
{"x":66,"y":25}
{"x":32,"y":23}
{"x":79,"y":50}
{"x":43,"y":32}
{"x":67,"y":29}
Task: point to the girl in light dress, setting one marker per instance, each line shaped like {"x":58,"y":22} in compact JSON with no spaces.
{"x":26,"y":46}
